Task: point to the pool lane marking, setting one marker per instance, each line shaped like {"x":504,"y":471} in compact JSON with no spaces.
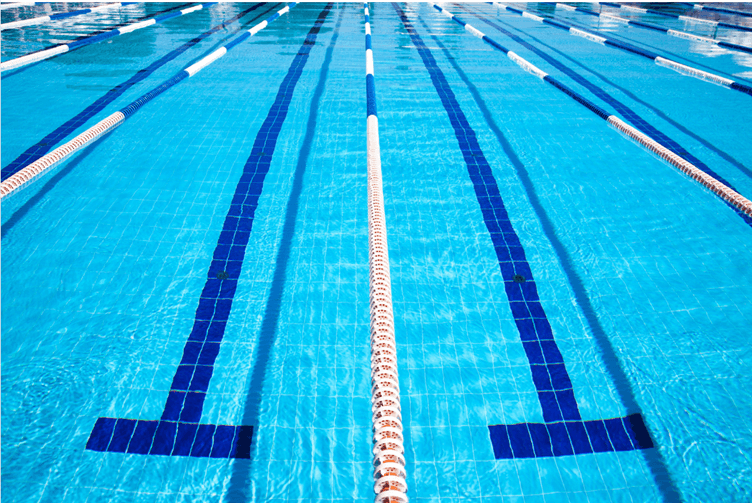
{"x":736,"y":201}
{"x":61,"y":15}
{"x":46,"y":144}
{"x":179,"y":431}
{"x":674,"y":33}
{"x":35,"y":57}
{"x":638,"y":122}
{"x":564,"y":432}
{"x":719,"y":9}
{"x":654,"y":460}
{"x":388,"y":438}
{"x":677,"y":16}
{"x":46,"y":162}
{"x":659,"y":60}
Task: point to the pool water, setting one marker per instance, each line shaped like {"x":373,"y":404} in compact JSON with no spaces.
{"x":128,"y":265}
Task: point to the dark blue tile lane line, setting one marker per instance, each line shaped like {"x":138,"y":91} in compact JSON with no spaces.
{"x":49,"y":142}
{"x":564,"y":432}
{"x":629,"y":114}
{"x":179,"y":431}
{"x":653,"y":457}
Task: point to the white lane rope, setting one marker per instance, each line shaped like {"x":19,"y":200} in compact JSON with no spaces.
{"x":388,"y":449}
{"x":62,"y":15}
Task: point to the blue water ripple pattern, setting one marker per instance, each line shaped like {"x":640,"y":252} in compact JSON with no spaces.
{"x":188,"y":296}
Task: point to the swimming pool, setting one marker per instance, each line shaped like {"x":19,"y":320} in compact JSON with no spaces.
{"x":185,"y":301}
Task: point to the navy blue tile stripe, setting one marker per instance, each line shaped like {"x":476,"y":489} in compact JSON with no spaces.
{"x":629,"y":114}
{"x":542,"y":440}
{"x":550,"y":377}
{"x":55,"y":137}
{"x":169,"y":438}
{"x":179,"y":431}
{"x":674,"y":16}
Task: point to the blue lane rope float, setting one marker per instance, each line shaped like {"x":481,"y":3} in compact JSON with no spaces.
{"x":657,"y":59}
{"x":388,"y":450}
{"x":741,"y":203}
{"x":179,"y":431}
{"x":662,"y":29}
{"x":61,"y":15}
{"x":719,"y":9}
{"x":51,"y":140}
{"x":43,"y":164}
{"x":35,"y":57}
{"x":677,"y":16}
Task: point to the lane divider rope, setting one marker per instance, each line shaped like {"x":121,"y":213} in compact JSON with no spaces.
{"x":43,"y":164}
{"x":18,"y":4}
{"x":659,"y":60}
{"x":54,"y":138}
{"x":35,"y":57}
{"x":388,"y":451}
{"x":719,"y":9}
{"x":676,"y":16}
{"x":61,"y":15}
{"x":628,"y":114}
{"x":724,"y":192}
{"x":674,"y":33}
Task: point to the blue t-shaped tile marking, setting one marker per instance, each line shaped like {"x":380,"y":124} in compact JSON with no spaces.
{"x":564,"y":432}
{"x":179,"y":431}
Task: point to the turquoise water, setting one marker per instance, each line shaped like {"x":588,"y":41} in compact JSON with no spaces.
{"x":644,"y":276}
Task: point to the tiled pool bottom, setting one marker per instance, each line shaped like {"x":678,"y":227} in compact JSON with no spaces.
{"x":635,"y":286}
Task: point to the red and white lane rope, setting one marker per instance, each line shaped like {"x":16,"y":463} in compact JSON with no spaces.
{"x":388,"y":450}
